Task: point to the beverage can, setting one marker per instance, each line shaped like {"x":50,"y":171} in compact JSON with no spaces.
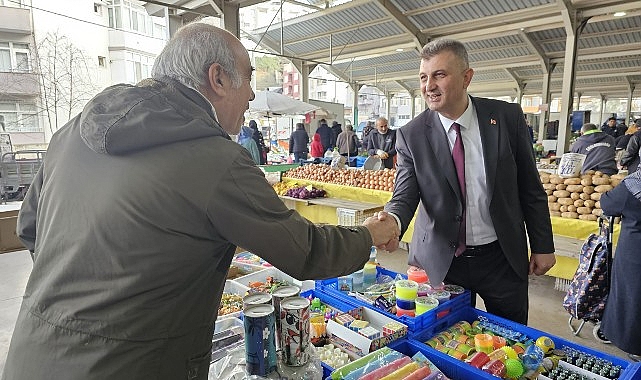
{"x":260,"y":344}
{"x":294,"y":339}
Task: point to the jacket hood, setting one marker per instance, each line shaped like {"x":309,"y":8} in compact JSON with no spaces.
{"x":124,"y":119}
{"x":317,"y":137}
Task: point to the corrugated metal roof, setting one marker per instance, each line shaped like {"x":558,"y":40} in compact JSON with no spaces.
{"x":499,"y":35}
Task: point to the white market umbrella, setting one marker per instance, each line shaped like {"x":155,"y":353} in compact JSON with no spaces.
{"x":271,"y":104}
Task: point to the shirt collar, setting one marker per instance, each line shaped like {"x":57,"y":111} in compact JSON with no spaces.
{"x":213,"y":110}
{"x":465,"y":120}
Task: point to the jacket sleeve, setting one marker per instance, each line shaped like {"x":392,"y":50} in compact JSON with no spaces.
{"x":28,"y":215}
{"x":406,"y":195}
{"x":531,"y":194}
{"x":291,"y":143}
{"x":247,"y":212}
{"x":631,"y":151}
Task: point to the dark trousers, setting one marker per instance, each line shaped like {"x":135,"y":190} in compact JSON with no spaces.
{"x":487,"y":272}
{"x":300,"y":156}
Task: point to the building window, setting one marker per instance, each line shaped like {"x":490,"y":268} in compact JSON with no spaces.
{"x":138,"y":67}
{"x":14,"y":56}
{"x":322,"y":95}
{"x":128,"y":15}
{"x":97,"y":9}
{"x":19,"y":117}
{"x":102,"y":61}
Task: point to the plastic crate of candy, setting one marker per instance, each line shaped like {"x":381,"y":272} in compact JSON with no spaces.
{"x":491,"y":346}
{"x":417,"y":323}
{"x":347,"y":340}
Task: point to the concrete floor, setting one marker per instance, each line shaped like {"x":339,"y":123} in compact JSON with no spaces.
{"x":546,"y":312}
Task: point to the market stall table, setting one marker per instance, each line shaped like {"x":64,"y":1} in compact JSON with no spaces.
{"x":569,"y":234}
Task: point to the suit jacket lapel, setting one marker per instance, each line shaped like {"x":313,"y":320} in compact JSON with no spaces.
{"x":438,"y":141}
{"x":489,"y":127}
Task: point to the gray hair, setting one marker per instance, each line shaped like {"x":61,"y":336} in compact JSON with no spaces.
{"x":191,"y":51}
{"x":440,"y":45}
{"x":588,"y":127}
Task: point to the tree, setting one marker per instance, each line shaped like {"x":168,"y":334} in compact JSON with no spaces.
{"x":65,"y":79}
{"x":268,"y":72}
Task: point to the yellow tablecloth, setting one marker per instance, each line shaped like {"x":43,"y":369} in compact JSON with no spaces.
{"x":571,"y":228}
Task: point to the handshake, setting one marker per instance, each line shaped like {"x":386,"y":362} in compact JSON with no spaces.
{"x":384,"y":230}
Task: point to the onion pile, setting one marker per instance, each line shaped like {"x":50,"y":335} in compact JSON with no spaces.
{"x":366,"y":179}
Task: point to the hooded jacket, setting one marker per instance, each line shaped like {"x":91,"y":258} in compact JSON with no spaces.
{"x":599,"y":150}
{"x":246,"y":140}
{"x":134,"y":218}
{"x":316,"y":147}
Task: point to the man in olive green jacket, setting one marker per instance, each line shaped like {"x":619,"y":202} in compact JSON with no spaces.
{"x":134,"y":217}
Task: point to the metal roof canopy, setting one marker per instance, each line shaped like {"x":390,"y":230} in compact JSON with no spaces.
{"x":510,"y":42}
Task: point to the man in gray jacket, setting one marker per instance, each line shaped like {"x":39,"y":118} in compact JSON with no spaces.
{"x":134,"y":217}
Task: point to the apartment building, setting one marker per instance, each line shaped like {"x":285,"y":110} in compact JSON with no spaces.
{"x":55,"y":55}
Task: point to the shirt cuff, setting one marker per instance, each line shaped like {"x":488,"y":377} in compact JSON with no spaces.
{"x":398,"y":221}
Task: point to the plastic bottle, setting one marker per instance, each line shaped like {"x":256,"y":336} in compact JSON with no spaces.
{"x":372,"y":255}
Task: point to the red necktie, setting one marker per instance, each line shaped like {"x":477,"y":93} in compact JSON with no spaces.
{"x":458,"y":155}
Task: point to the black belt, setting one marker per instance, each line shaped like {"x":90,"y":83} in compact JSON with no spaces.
{"x":479,"y":250}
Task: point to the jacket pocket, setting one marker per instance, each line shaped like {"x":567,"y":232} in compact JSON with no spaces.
{"x":198,"y":366}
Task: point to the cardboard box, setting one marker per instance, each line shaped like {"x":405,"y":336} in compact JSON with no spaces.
{"x":9,"y":241}
{"x":376,"y":320}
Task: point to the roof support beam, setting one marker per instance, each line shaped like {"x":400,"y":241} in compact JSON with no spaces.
{"x":573,"y":28}
{"x":418,"y":38}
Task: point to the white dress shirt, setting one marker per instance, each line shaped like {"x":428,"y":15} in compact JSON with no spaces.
{"x":479,"y":227}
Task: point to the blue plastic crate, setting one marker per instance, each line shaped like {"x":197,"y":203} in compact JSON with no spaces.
{"x":414,"y":324}
{"x":337,"y":304}
{"x":471,"y":314}
{"x":633,"y":372}
{"x":451,"y":367}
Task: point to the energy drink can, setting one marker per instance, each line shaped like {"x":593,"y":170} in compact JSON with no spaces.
{"x":257,"y":299}
{"x":277,"y":296}
{"x":260,"y":344}
{"x":294,"y":319}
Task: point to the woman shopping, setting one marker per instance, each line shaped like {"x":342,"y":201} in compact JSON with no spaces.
{"x":622,"y":315}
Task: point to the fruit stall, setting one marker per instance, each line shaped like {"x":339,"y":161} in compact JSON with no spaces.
{"x":573,"y":203}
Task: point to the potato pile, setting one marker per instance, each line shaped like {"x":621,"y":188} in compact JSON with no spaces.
{"x":577,"y":198}
{"x":367,"y":179}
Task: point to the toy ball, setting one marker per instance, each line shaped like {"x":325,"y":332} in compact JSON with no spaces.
{"x":545,"y":344}
{"x":511,"y":354}
{"x":513,"y":369}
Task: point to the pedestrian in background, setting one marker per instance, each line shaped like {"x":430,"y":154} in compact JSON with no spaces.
{"x":598,"y":148}
{"x":260,"y":142}
{"x":246,"y":140}
{"x":622,"y":315}
{"x":326,"y":135}
{"x":382,"y":143}
{"x":347,"y":142}
{"x":298,"y":142}
{"x":316,"y":147}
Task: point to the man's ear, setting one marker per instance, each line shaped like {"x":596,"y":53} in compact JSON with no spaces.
{"x":217,"y":79}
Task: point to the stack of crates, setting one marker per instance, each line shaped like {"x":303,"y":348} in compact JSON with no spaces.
{"x":351,"y":217}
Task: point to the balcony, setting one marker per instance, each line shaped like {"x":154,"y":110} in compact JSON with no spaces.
{"x":19,"y":83}
{"x":15,"y":20}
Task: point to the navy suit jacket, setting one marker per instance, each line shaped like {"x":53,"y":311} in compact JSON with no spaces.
{"x":426,"y":178}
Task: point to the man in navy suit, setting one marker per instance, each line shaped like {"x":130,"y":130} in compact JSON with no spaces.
{"x":471,"y":234}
